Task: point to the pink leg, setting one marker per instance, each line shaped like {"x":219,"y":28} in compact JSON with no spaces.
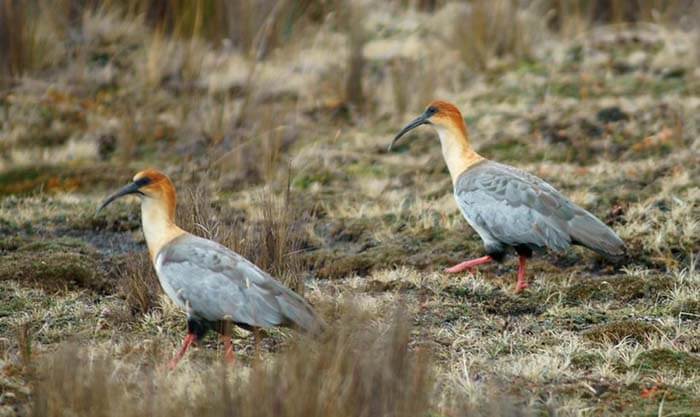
{"x":522,"y":283}
{"x":469,"y":264}
{"x":229,"y":353}
{"x":189,"y":339}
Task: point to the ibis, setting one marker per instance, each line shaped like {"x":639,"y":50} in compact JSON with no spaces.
{"x":215,"y":286}
{"x":509,"y":209}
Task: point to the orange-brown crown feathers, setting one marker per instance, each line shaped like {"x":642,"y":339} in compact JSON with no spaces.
{"x":447,"y":115}
{"x":158,"y":185}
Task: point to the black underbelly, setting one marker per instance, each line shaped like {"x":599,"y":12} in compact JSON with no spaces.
{"x":499,"y":253}
{"x":200,"y":327}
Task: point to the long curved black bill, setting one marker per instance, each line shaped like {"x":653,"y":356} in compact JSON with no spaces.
{"x":420,"y":120}
{"x":132,"y":188}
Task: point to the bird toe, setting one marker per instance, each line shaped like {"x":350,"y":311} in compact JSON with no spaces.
{"x":520,"y":288}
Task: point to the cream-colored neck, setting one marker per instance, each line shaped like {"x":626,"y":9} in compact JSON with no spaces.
{"x":458,"y":154}
{"x":158,"y":226}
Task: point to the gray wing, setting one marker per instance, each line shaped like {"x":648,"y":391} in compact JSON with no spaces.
{"x":215,"y":283}
{"x":509,"y":206}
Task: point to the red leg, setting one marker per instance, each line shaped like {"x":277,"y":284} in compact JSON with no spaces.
{"x":522,"y":283}
{"x":469,"y":264}
{"x":189,"y":339}
{"x":229,"y":353}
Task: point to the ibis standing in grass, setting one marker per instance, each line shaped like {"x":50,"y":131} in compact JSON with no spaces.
{"x":214,"y":285}
{"x":507,"y":207}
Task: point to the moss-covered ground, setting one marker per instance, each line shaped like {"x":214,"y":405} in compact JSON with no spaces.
{"x":615,"y":128}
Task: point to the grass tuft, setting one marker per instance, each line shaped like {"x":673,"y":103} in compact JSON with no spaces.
{"x":618,"y":331}
{"x":272,"y":238}
{"x":359,"y":369}
{"x":61,"y":264}
{"x":668,"y":360}
{"x":137,"y":282}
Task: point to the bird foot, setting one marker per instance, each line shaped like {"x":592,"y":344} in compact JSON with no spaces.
{"x":520,"y":287}
{"x":173,"y":364}
{"x":229,"y":353}
{"x":189,"y":340}
{"x":458,"y":268}
{"x":468,"y":265}
{"x":522,"y":282}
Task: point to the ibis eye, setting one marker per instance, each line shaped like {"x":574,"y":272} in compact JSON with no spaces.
{"x":142,"y":181}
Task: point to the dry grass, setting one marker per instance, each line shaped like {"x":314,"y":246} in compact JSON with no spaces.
{"x":270,"y":158}
{"x":574,"y":18}
{"x":359,"y":369}
{"x":272,"y":239}
{"x":354,"y":90}
{"x":137,"y":283}
{"x":495,"y":30}
{"x":13,"y":42}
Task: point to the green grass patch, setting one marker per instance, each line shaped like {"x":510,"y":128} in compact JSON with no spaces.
{"x":61,"y":178}
{"x":668,"y":360}
{"x":63,"y":263}
{"x":621,"y":288}
{"x":615,"y":332}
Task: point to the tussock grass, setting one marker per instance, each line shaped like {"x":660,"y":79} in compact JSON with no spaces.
{"x":495,"y":29}
{"x":358,"y":369}
{"x":14,"y":42}
{"x":138,"y":283}
{"x":598,"y":100}
{"x":273,"y":239}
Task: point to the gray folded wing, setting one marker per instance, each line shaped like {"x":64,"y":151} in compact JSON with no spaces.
{"x":215,"y":283}
{"x":509,"y":206}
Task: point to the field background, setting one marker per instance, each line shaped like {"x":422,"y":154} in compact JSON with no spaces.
{"x":273,"y":118}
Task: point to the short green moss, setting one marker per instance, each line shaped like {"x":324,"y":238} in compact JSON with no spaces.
{"x":55,"y":264}
{"x":384,"y":286}
{"x":331,"y":265}
{"x":622,"y":288}
{"x":580,"y":319}
{"x":505,"y":149}
{"x":513,"y":305}
{"x":67,"y":177}
{"x":111,"y":219}
{"x":628,"y":400}
{"x":585,"y":360}
{"x":322,"y":177}
{"x":497,"y":301}
{"x":351,"y":248}
{"x":689,"y":309}
{"x":668,"y":360}
{"x":62,"y":244}
{"x":12,"y":243}
{"x":618,"y":331}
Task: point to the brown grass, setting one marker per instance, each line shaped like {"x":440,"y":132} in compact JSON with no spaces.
{"x":493,"y":29}
{"x":137,"y":283}
{"x":15,"y":46}
{"x":358,"y":370}
{"x":609,"y":119}
{"x":573,"y":18}
{"x":272,"y":238}
{"x":352,"y":17}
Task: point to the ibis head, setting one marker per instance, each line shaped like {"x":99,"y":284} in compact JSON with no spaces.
{"x":439,"y":114}
{"x":157,"y":195}
{"x":147,"y":184}
{"x":446,"y":119}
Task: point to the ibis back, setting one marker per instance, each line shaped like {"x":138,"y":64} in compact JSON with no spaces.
{"x":510,"y":207}
{"x":213,"y":283}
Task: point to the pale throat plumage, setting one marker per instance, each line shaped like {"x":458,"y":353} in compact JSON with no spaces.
{"x":456,"y":151}
{"x":158,"y":224}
